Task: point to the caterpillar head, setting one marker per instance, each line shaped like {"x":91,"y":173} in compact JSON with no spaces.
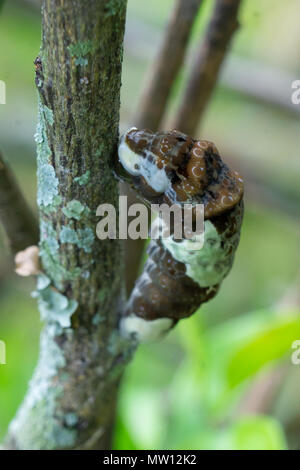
{"x":171,"y":167}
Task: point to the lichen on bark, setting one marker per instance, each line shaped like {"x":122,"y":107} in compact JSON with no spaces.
{"x":71,"y":399}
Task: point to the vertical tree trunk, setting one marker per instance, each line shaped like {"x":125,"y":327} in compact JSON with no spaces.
{"x":72,"y":396}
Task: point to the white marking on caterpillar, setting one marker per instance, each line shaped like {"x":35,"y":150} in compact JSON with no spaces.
{"x":137,"y":165}
{"x":144,"y":330}
{"x":129,"y":159}
{"x":208,"y":266}
{"x":159,"y":229}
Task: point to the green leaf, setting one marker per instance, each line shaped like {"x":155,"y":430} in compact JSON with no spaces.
{"x":268,"y":345}
{"x":143,"y":413}
{"x":122,"y":438}
{"x":256,"y":433}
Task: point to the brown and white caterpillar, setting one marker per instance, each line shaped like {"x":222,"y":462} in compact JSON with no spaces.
{"x":173,"y":168}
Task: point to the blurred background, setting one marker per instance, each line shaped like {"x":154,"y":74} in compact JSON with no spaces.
{"x":224,"y":378}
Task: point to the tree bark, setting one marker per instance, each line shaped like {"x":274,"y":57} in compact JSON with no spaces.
{"x":72,"y":396}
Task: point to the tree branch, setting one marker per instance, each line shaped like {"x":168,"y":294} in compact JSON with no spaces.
{"x":268,"y":85}
{"x":72,"y":396}
{"x":19,"y":223}
{"x":164,"y":71}
{"x":206,"y":67}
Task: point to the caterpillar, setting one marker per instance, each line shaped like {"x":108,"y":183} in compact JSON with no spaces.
{"x":173,"y":168}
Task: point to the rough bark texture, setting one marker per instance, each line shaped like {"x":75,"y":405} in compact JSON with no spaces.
{"x":19,"y":223}
{"x":206,"y":67}
{"x":72,"y":396}
{"x":164,"y":71}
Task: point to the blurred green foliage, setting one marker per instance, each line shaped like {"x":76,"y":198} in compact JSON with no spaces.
{"x":184,"y":392}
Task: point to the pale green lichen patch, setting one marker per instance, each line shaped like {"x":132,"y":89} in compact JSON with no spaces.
{"x":80,"y":50}
{"x":48,"y":237}
{"x":48,"y":184}
{"x":43,"y":281}
{"x":97,"y":319}
{"x":49,"y":254}
{"x":56,"y":201}
{"x":39,"y":423}
{"x":48,"y":115}
{"x":209,"y":265}
{"x":71,"y":419}
{"x":83,"y":179}
{"x":69,"y":235}
{"x":74,"y":209}
{"x":54,"y":307}
{"x":85,"y":274}
{"x":47,"y":181}
{"x":83,"y":238}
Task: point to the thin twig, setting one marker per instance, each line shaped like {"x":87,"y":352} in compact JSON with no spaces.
{"x":165,"y":69}
{"x":267,"y":85}
{"x":207,"y":64}
{"x":263,"y":391}
{"x":20,"y":225}
{"x":262,"y":82}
